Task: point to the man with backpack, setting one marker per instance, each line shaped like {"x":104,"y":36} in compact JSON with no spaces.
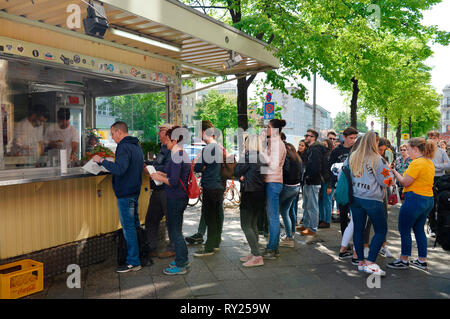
{"x":316,"y":173}
{"x":209,"y":164}
{"x":339,"y":155}
{"x":441,"y":163}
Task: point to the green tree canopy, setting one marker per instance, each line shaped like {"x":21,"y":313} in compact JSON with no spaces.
{"x":220,"y":109}
{"x":141,"y":112}
{"x":342,"y":121}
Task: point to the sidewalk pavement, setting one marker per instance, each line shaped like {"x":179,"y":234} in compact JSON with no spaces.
{"x":310,"y":270}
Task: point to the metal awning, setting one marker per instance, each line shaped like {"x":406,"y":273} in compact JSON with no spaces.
{"x":203,"y":43}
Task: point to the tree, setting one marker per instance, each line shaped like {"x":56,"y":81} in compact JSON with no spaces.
{"x":220,"y":109}
{"x":342,"y":121}
{"x":334,"y":39}
{"x":141,"y":112}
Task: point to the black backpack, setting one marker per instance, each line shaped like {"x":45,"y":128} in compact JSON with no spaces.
{"x":324,"y":169}
{"x":144,"y":252}
{"x":443,"y":212}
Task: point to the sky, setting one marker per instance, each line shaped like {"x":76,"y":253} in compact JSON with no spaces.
{"x":330,"y":98}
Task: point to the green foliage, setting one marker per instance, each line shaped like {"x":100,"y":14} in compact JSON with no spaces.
{"x":342,"y":121}
{"x":338,"y":40}
{"x":139,"y":111}
{"x":150,"y":147}
{"x":220,"y":109}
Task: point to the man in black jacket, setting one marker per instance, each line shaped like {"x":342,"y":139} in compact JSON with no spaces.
{"x":314,"y":176}
{"x":157,"y":208}
{"x":126,"y":181}
{"x":339,"y":155}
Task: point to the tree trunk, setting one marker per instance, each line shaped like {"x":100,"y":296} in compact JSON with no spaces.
{"x":242,"y":103}
{"x":399,"y":134}
{"x":354,"y":104}
{"x":385,"y":126}
{"x":410,"y":127}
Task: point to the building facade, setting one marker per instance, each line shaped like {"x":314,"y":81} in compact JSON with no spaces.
{"x":445,"y":110}
{"x":188,"y":105}
{"x":299,"y":115}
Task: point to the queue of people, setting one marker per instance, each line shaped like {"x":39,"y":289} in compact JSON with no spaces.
{"x":272,"y":173}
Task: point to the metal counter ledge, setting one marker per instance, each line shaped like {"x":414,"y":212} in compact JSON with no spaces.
{"x":34,"y":175}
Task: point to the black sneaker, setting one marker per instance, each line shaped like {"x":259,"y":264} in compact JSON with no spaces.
{"x":355,"y":261}
{"x":128,"y":268}
{"x":398,"y":264}
{"x":345,"y":255}
{"x":203,"y":253}
{"x":195,"y":239}
{"x":419,"y":264}
{"x":269,"y":254}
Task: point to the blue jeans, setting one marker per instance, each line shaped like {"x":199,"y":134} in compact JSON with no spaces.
{"x":293,"y":212}
{"x":175,"y":211}
{"x":325,"y":204}
{"x":287,"y":200}
{"x":273,"y":191}
{"x":129,"y":219}
{"x":361,"y":208}
{"x":413,"y":214}
{"x":311,"y":210}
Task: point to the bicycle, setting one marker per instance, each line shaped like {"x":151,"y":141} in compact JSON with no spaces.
{"x":232,"y":193}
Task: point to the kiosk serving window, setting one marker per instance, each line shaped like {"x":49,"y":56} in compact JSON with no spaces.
{"x":41,"y":113}
{"x":44,"y":109}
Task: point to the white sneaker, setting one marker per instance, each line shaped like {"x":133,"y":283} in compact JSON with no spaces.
{"x":366,"y":252}
{"x":374,"y":269}
{"x":385,"y":252}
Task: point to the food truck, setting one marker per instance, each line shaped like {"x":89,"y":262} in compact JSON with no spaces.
{"x":57,"y":57}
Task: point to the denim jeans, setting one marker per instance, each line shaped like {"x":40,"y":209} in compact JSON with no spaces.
{"x":129,"y":219}
{"x":361,"y":208}
{"x":175,"y":211}
{"x":273,"y":191}
{"x":413,"y":215}
{"x":293,"y":212}
{"x":325,"y":204}
{"x":311,"y":212}
{"x":287,"y":200}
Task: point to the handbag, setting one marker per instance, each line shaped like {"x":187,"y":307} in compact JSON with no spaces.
{"x":193,"y":190}
{"x":392,"y":199}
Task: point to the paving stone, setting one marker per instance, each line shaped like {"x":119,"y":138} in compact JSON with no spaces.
{"x":310,"y":270}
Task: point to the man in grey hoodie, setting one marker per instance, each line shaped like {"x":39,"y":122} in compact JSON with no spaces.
{"x":441,"y":163}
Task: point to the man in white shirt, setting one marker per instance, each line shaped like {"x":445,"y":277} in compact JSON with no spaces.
{"x":62,"y":135}
{"x":29,"y":133}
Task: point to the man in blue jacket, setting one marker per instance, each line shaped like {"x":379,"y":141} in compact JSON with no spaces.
{"x":126,"y":180}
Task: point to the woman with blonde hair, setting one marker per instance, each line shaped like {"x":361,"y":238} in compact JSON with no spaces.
{"x":248,"y":170}
{"x":418,"y":183}
{"x":370,"y":175}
